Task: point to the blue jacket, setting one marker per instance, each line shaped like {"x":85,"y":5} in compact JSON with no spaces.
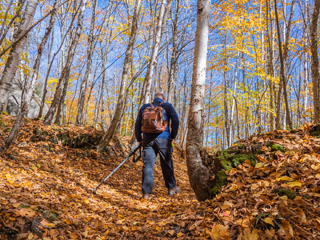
{"x":169,"y":114}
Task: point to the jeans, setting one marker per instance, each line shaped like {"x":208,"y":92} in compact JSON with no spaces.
{"x":151,"y":148}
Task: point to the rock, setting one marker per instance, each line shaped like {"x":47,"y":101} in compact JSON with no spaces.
{"x":14,"y":102}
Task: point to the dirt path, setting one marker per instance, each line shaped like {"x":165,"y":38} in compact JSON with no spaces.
{"x":56,"y":182}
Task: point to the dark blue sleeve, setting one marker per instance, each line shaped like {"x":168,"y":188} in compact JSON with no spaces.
{"x":138,"y":125}
{"x":174,"y":122}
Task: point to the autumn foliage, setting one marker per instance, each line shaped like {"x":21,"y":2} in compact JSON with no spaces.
{"x":46,"y":190}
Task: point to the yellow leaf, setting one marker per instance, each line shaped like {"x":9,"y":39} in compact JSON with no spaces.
{"x":285,"y":178}
{"x":294,"y":184}
{"x":269,"y":220}
{"x":86,"y":201}
{"x":220,"y":232}
{"x":180,"y":234}
{"x":50,"y":225}
{"x":259,"y":165}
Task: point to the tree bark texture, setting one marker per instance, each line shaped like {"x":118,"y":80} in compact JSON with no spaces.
{"x":65,"y":72}
{"x":91,"y":40}
{"x":198,"y":173}
{"x":146,"y":92}
{"x":283,"y":79}
{"x":315,"y":61}
{"x":15,"y":53}
{"x":125,"y":75}
{"x":174,"y":57}
{"x":30,"y":90}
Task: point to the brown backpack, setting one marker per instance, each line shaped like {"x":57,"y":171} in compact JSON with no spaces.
{"x":153,"y":120}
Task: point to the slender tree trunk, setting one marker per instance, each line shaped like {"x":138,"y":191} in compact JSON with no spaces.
{"x":174,"y":58}
{"x":44,"y":88}
{"x":315,"y":61}
{"x":283,"y":79}
{"x":30,"y":90}
{"x":198,"y":173}
{"x":61,"y":47}
{"x":125,"y":74}
{"x":146,"y":92}
{"x":91,"y":40}
{"x":15,"y":53}
{"x":270,"y":69}
{"x":66,"y":70}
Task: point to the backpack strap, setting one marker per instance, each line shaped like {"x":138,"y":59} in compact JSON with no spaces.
{"x":159,"y":104}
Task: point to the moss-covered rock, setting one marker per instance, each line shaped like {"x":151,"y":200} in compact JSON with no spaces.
{"x":286,"y":192}
{"x":85,"y":140}
{"x":226,"y":160}
{"x":315,"y":131}
{"x":221,"y":179}
{"x":276,"y":147}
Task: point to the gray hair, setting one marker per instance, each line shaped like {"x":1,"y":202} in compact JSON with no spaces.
{"x":160,"y":95}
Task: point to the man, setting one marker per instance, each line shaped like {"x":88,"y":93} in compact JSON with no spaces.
{"x":158,"y":143}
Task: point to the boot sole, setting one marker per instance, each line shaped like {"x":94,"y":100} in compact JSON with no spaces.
{"x":171,"y":194}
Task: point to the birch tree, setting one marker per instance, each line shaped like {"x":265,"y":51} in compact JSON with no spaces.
{"x":30,"y":91}
{"x":125,"y":75}
{"x":16,"y":52}
{"x":91,"y":40}
{"x":66,"y":70}
{"x":315,"y":60}
{"x":198,"y":173}
{"x":174,"y":57}
{"x":146,"y":91}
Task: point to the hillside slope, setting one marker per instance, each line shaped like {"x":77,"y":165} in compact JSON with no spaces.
{"x":47,"y":177}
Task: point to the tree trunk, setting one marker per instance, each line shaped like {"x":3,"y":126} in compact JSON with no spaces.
{"x":283,"y":79}
{"x":15,"y":53}
{"x":30,"y":90}
{"x":146,"y":92}
{"x":61,"y":47}
{"x":84,"y":82}
{"x":174,"y":57}
{"x":315,"y":61}
{"x":125,"y":74}
{"x":198,"y":173}
{"x":66,"y":70}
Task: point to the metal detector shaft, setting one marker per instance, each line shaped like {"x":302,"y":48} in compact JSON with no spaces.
{"x":117,"y":168}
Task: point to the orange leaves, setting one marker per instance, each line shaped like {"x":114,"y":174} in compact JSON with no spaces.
{"x":244,"y":222}
{"x":26,"y":212}
{"x":248,"y":235}
{"x":220,"y":232}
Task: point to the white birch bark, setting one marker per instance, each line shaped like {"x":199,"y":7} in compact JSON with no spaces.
{"x":30,"y":90}
{"x":198,"y":173}
{"x":66,"y":70}
{"x":15,"y":53}
{"x":125,"y":75}
{"x":146,"y":93}
{"x":174,"y":58}
{"x":315,"y":60}
{"x":91,"y":40}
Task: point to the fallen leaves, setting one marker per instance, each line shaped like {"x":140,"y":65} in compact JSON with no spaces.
{"x":53,"y":181}
{"x":220,"y":232}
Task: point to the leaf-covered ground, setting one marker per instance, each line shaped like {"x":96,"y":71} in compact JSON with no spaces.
{"x":46,"y":190}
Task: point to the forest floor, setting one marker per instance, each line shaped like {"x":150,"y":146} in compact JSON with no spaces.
{"x":46,"y":192}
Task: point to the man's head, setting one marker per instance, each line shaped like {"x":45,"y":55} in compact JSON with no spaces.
{"x":160,"y":95}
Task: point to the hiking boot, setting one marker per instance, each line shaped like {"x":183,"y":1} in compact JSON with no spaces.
{"x":146,"y":196}
{"x":174,"y":190}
